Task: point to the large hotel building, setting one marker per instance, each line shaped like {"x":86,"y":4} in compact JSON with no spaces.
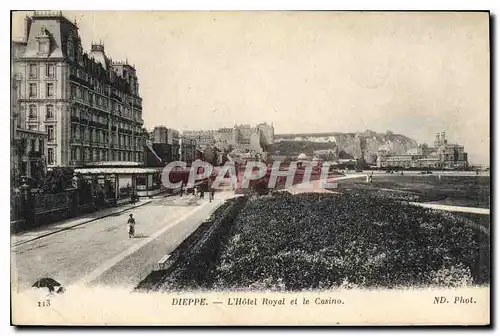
{"x":88,"y":105}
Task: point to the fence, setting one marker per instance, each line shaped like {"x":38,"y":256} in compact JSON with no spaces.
{"x":53,"y":202}
{"x":16,"y":207}
{"x":39,"y":209}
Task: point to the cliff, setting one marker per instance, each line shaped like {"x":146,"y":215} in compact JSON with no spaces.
{"x":354,"y":144}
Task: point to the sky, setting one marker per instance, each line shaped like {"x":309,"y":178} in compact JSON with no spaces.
{"x":412,"y":73}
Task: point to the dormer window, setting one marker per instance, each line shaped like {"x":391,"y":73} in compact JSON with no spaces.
{"x":43,"y":47}
{"x":43,"y":40}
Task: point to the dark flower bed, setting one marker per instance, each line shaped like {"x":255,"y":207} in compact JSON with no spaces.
{"x":324,"y":241}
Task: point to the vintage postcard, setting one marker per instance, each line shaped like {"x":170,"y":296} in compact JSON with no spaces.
{"x":250,"y":168}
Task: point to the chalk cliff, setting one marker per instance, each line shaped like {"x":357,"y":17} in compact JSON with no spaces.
{"x":355,"y":144}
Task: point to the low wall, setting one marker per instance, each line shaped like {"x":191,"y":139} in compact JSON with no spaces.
{"x":195,"y":264}
{"x":44,"y":209}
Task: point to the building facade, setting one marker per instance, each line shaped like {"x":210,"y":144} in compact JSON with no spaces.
{"x":88,"y":104}
{"x":28,"y":147}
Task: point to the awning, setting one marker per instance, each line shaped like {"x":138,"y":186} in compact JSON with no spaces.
{"x":124,"y":171}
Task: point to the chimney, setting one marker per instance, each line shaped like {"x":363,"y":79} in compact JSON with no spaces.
{"x":437,"y":139}
{"x":443,"y":137}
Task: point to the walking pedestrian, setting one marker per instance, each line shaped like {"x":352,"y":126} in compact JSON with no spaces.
{"x":211,"y":195}
{"x":131,"y":226}
{"x":133,"y":197}
{"x":182,"y":189}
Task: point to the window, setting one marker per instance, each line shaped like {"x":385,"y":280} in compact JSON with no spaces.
{"x":40,"y":146}
{"x":43,"y":47}
{"x":32,"y":145}
{"x":50,"y":70}
{"x":50,"y":90}
{"x":33,"y":70}
{"x":50,"y":156}
{"x":32,"y":112}
{"x":49,"y":114}
{"x":50,"y":133}
{"x":32,"y":90}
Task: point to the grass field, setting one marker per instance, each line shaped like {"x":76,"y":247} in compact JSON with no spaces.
{"x":470,"y":191}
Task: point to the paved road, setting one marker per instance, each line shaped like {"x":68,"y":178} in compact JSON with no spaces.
{"x":101,"y":253}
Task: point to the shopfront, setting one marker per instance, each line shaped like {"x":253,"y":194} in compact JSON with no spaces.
{"x":115,"y":182}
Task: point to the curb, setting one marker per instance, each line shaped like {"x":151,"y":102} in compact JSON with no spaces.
{"x":75,"y":225}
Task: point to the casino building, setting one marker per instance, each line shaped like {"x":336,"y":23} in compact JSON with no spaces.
{"x":443,"y":155}
{"x":88,"y":105}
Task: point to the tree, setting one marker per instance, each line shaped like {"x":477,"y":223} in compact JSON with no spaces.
{"x":344,"y":155}
{"x":57,"y":180}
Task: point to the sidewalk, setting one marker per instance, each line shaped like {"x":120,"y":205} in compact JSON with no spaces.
{"x":36,"y":233}
{"x":453,"y":208}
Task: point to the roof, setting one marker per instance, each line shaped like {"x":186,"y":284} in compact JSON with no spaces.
{"x":109,"y":170}
{"x":114,"y":163}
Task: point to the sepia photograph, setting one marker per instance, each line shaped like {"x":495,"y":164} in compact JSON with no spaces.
{"x":256,"y":168}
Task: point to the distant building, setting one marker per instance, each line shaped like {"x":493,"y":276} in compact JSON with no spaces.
{"x":162,"y":134}
{"x":243,"y":137}
{"x":442,"y":156}
{"x":164,"y":147}
{"x":188,"y":150}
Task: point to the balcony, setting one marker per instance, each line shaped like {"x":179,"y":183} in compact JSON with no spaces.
{"x":81,"y":81}
{"x":75,"y":163}
{"x":125,"y":131}
{"x":114,"y":96}
{"x":98,"y":124}
{"x":75,"y":141}
{"x":35,"y":154}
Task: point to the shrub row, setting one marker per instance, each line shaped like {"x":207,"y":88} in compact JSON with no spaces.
{"x":322,"y":241}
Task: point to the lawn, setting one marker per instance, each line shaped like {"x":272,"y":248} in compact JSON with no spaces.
{"x":471,"y":191}
{"x":353,"y":239}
